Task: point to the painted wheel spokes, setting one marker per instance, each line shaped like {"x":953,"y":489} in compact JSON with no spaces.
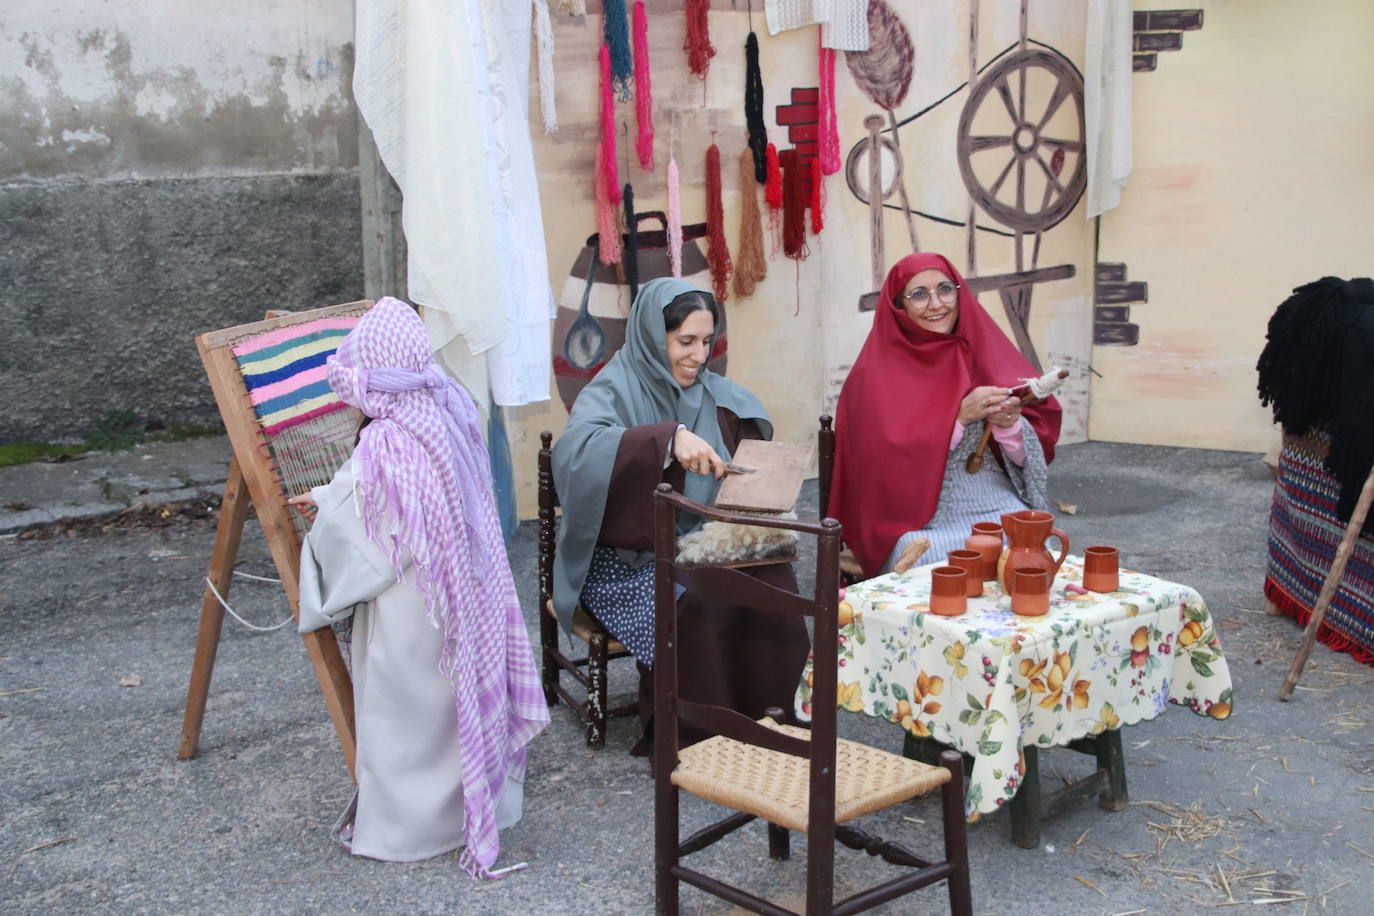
{"x":1062,"y":91}
{"x":978,"y":144}
{"x":1004,"y":91}
{"x":1064,"y":179}
{"x":1068,"y":146}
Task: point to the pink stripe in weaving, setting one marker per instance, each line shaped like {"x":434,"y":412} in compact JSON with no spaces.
{"x":288,"y":385}
{"x":296,"y":421}
{"x":282,"y":335}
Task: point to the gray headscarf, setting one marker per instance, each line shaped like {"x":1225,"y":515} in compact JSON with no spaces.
{"x":635,"y":388}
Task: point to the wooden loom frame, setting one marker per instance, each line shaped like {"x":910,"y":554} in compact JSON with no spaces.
{"x":250,"y":470}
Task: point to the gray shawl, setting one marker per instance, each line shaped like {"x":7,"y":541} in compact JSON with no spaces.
{"x":635,"y":388}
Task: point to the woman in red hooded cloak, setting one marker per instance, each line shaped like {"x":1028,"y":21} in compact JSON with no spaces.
{"x":935,"y":367}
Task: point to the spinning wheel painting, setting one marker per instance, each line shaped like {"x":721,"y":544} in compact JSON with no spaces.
{"x":1019,"y":147}
{"x":1021,"y":157}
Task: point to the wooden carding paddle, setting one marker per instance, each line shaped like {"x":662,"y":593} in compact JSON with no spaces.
{"x":778,"y":469}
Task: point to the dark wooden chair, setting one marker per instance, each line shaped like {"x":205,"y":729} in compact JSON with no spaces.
{"x":593,"y":707}
{"x":792,"y":778}
{"x":850,"y":571}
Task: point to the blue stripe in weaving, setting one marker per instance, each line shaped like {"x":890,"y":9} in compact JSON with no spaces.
{"x":279,"y":349}
{"x":285,"y":372}
{"x":293,"y":398}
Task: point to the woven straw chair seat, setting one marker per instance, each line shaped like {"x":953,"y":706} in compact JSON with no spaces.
{"x":582,"y":626}
{"x":849,"y":566}
{"x":773,"y":785}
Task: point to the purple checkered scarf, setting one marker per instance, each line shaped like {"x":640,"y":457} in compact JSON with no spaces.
{"x":424,"y":482}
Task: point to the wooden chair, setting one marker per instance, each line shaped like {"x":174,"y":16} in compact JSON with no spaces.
{"x":791,"y":778}
{"x":602,"y":648}
{"x":850,"y":571}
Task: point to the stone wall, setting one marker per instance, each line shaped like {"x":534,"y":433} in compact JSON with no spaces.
{"x":164,"y":171}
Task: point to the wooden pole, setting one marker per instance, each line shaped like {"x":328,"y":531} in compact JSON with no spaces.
{"x":1333,"y":581}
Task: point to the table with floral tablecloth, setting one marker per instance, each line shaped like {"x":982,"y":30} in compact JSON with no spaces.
{"x":989,"y":683}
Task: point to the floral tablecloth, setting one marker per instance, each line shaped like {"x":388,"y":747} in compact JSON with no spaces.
{"x":989,"y":682}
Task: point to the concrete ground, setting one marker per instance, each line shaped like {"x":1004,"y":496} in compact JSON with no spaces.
{"x":1274,"y":805}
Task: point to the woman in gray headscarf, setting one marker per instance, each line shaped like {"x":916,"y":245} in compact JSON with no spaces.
{"x":655,"y":414}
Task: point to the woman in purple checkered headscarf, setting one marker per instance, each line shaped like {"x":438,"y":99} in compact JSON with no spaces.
{"x":446,"y":694}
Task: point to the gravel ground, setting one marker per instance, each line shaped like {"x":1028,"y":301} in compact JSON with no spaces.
{"x":97,"y":814}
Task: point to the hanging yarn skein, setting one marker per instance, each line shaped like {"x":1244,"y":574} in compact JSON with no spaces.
{"x":615,"y":33}
{"x":772,"y":194}
{"x":817,"y":197}
{"x":606,"y":155}
{"x":753,"y":108}
{"x":674,"y":218}
{"x":644,"y":101}
{"x":697,"y":44}
{"x":750,"y":267}
{"x":608,"y":251}
{"x":828,"y":139}
{"x":793,"y":207}
{"x":718,"y":254}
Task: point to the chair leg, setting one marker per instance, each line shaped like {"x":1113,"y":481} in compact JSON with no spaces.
{"x":820,"y":870}
{"x":665,"y":847}
{"x":779,"y":843}
{"x":548,"y":642}
{"x":1025,"y":804}
{"x":1112,"y":760}
{"x":596,"y":690}
{"x":956,"y":834}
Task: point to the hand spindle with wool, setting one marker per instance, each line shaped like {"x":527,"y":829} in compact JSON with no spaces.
{"x":1031,"y":390}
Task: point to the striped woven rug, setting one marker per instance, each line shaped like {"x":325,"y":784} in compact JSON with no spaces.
{"x":285,"y":372}
{"x":1303,"y":537}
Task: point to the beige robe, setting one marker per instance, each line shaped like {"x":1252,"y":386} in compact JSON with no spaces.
{"x":409,"y":802}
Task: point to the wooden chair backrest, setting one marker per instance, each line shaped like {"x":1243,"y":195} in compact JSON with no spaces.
{"x":731,"y":586}
{"x":825,"y":461}
{"x":548,"y":513}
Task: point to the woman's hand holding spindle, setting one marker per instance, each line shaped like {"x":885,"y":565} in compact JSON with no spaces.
{"x":988,"y":402}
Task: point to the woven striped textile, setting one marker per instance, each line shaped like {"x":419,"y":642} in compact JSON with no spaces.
{"x":285,"y":373}
{"x":1303,"y":536}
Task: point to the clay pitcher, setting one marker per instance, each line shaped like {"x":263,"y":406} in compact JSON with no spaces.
{"x":1026,"y":533}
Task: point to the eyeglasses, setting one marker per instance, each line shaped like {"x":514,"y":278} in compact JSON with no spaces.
{"x":946,"y":292}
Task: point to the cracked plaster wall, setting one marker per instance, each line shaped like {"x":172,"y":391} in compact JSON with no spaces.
{"x":166,"y":168}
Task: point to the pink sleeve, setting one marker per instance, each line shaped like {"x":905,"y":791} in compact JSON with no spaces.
{"x":1013,"y":448}
{"x":957,"y":435}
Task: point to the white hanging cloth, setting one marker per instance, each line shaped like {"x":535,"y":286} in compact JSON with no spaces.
{"x":844,"y":23}
{"x":1107,"y":102}
{"x":444,"y":86}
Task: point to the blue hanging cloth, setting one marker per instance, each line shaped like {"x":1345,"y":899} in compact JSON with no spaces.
{"x":502,"y":475}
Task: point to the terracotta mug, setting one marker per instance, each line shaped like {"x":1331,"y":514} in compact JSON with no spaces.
{"x":987,"y":540}
{"x":971,"y":562}
{"x":1030,"y":591}
{"x":948,"y":591}
{"x":1101,"y":567}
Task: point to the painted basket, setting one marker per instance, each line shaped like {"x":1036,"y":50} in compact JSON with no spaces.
{"x":600,"y":293}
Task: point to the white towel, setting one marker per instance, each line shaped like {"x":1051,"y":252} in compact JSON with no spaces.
{"x":1107,"y":102}
{"x":844,"y":23}
{"x":444,"y":86}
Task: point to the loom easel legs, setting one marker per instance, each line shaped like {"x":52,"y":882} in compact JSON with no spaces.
{"x":233,"y":511}
{"x":320,"y":645}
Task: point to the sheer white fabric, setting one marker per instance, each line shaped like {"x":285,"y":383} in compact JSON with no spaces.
{"x":445,"y":89}
{"x":1107,"y":102}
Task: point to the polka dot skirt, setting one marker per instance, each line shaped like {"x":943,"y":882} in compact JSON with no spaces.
{"x":622,"y":598}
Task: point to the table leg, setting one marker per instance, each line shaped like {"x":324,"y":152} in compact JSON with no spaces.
{"x":926,"y":750}
{"x":1112,"y":761}
{"x":1025,"y":804}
